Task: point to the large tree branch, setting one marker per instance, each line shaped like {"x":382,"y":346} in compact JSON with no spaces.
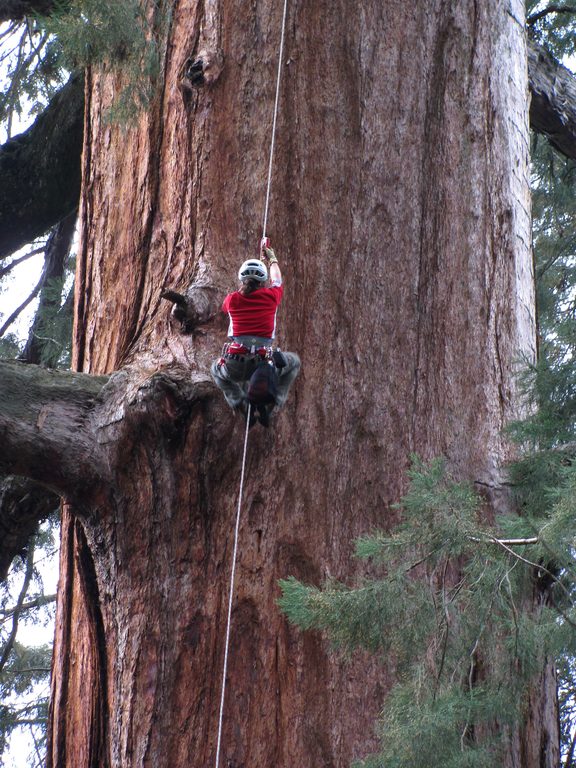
{"x":40,"y":170}
{"x":67,"y":430}
{"x":45,"y":429}
{"x":553,"y":103}
{"x":531,"y":20}
{"x":17,"y":9}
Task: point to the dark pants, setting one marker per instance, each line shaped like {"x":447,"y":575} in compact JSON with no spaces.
{"x":232,"y":375}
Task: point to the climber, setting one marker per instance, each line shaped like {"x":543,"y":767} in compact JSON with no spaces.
{"x":248,"y":360}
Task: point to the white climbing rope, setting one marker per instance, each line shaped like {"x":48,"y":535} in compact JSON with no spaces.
{"x":276,"y":100}
{"x":231,"y":595}
{"x":237,"y":528}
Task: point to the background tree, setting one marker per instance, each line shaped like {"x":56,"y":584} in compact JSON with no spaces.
{"x":31,"y":75}
{"x":24,"y":670}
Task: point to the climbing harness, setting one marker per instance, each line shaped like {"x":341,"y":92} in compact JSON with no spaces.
{"x":264,"y":242}
{"x":236,"y":351}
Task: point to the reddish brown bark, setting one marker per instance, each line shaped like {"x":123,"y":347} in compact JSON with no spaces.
{"x":401,"y":218}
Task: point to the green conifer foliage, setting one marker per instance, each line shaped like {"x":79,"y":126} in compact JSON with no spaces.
{"x":451,"y":609}
{"x":25,"y":669}
{"x":118,"y":35}
{"x":553,"y":24}
{"x":30,"y":72}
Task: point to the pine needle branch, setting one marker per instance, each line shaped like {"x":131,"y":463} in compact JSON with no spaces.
{"x":562,"y":612}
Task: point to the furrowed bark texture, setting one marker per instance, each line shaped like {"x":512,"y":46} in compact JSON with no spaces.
{"x":400,"y":214}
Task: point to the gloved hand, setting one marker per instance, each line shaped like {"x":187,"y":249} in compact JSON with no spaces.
{"x":269,"y":255}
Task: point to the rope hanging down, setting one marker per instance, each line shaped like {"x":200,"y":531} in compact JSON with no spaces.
{"x":273,"y":139}
{"x":237,"y":527}
{"x":231,"y":595}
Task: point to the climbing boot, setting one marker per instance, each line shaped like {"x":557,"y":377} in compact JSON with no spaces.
{"x":264,"y":415}
{"x":242,"y":408}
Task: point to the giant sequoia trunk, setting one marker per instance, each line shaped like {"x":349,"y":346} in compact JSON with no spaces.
{"x":400,"y":213}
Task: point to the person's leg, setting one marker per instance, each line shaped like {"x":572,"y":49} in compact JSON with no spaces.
{"x":286,"y":377}
{"x":224,"y":378}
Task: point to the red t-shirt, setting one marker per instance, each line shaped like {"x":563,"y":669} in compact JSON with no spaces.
{"x":255,"y":314}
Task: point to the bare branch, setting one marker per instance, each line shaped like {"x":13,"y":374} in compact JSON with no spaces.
{"x":28,"y":670}
{"x":533,"y":18}
{"x":31,"y":721}
{"x":37,"y":602}
{"x":537,"y":566}
{"x":9,"y":30}
{"x":18,"y":311}
{"x":506,"y":542}
{"x":568,"y":763}
{"x":16,"y":615}
{"x":9,"y":267}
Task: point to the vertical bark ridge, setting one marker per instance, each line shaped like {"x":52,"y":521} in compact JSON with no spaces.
{"x":98,"y":756}
{"x":82,"y":294}
{"x":77,"y":734}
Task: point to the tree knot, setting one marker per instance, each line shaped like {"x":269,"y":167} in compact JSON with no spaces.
{"x":197,"y":307}
{"x":201,"y":70}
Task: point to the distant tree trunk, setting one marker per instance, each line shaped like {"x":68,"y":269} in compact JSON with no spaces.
{"x":553,"y":99}
{"x":40,"y":170}
{"x":400,"y":212}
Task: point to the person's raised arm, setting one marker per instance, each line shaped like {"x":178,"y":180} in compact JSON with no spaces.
{"x":273,"y":266}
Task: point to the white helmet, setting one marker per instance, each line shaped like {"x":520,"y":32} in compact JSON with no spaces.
{"x":253,"y":269}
